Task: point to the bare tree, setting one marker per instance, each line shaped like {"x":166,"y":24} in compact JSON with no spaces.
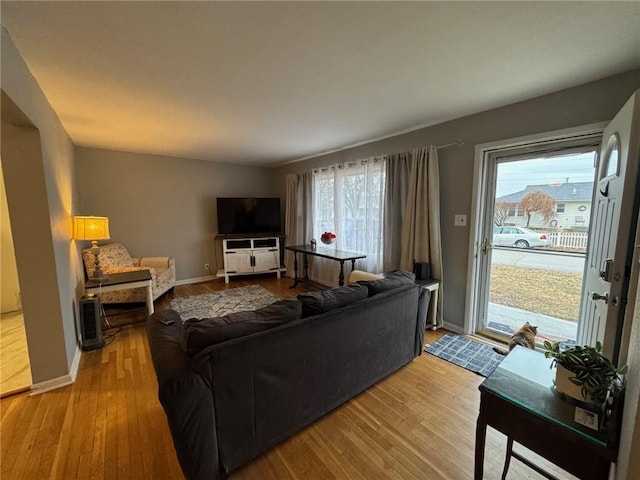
{"x":538,"y":202}
{"x":501,"y":213}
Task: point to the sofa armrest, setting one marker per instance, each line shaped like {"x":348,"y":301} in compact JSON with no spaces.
{"x":155,"y":262}
{"x":186,"y":398}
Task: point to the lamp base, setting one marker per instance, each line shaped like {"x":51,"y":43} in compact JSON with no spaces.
{"x":98,"y":275}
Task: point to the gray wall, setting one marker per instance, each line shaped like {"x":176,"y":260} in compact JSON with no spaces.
{"x":592,"y":102}
{"x":9,"y":285}
{"x":39,"y":179}
{"x":161,"y":206}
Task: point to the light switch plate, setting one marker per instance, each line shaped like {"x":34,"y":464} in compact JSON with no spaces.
{"x":460,"y":220}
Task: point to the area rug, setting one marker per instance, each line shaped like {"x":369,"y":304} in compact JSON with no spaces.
{"x":217,"y":304}
{"x":466,"y":353}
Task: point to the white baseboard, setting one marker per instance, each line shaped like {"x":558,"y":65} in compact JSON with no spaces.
{"x":187,"y":281}
{"x":58,"y":382}
{"x":75,"y":364}
{"x":454,"y":328}
{"x":48,"y":385}
{"x":207,"y":278}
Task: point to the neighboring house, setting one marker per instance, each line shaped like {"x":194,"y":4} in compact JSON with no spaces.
{"x":573,"y":206}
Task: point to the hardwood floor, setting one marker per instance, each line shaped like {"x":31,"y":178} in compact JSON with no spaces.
{"x":418,"y":423}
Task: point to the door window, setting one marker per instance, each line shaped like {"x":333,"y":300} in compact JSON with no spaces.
{"x":534,"y":263}
{"x":611,"y":160}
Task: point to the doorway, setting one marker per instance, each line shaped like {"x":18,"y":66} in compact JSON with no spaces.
{"x":15,"y":369}
{"x":533,"y":220}
{"x":500,"y":220}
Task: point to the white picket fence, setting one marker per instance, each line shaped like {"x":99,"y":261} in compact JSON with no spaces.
{"x":569,"y":240}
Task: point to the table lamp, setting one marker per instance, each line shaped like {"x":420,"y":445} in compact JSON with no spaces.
{"x":94,"y":229}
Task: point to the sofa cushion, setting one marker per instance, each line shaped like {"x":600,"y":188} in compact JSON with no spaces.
{"x":391,"y":280}
{"x":200,"y":333}
{"x":324,"y":300}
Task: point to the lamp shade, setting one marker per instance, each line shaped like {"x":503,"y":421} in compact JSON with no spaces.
{"x":91,"y":228}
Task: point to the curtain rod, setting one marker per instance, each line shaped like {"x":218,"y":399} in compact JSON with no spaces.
{"x":459,"y":142}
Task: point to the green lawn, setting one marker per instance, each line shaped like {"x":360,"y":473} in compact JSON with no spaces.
{"x":556,"y":294}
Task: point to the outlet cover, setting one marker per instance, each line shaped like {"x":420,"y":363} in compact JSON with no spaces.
{"x":460,"y":220}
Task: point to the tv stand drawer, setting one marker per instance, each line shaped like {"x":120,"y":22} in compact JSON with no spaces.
{"x":264,"y":243}
{"x":237,"y":244}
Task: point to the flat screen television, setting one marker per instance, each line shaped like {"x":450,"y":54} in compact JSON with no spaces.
{"x":248,"y":215}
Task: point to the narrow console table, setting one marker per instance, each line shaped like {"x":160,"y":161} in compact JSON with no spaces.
{"x":324,"y":252}
{"x":517,"y":399}
{"x":123,"y":281}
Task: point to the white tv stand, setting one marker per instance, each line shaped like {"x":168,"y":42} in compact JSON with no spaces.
{"x":250,"y":255}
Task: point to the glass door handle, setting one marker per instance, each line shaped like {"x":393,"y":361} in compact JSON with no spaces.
{"x":485,"y":245}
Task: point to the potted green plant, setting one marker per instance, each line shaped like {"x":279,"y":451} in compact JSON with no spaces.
{"x":585,"y":374}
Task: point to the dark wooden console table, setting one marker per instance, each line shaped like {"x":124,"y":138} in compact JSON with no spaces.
{"x":324,"y":252}
{"x":517,"y":399}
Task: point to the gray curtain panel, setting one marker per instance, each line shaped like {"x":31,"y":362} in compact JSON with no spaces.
{"x":298,"y":213}
{"x":412,"y":213}
{"x":398,"y":169}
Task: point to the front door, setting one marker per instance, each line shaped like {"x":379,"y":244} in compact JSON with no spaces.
{"x":615,"y":210}
{"x":533,"y":250}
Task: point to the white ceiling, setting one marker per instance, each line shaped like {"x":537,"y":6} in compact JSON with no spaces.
{"x":270,"y":82}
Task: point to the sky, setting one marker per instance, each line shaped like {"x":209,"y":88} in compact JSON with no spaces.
{"x":515,"y":176}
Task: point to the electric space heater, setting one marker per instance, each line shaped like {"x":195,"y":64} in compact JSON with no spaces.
{"x":90,"y":323}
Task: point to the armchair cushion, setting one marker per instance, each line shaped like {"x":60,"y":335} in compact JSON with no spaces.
{"x":115,"y":258}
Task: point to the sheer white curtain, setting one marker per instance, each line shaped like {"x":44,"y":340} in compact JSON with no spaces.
{"x":349,"y":201}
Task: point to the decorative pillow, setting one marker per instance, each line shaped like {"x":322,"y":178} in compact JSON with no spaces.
{"x":198,"y":334}
{"x":391,"y":280}
{"x":358,"y":275}
{"x":324,"y":300}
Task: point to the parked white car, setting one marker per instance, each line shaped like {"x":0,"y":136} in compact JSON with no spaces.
{"x":519,"y":237}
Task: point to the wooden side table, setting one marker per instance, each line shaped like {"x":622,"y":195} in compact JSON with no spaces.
{"x":123,"y":281}
{"x":517,"y":399}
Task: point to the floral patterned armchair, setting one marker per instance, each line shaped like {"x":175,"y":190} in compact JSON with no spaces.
{"x":115,"y":258}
